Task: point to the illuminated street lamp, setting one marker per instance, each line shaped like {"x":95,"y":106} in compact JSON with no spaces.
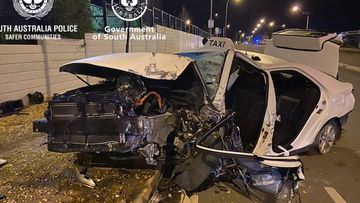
{"x":238,"y":36}
{"x":259,"y":24}
{"x":216,"y":15}
{"x":271,"y":27}
{"x":188,"y":22}
{"x":297,"y":9}
{"x":228,"y":26}
{"x":283,"y":26}
{"x":241,"y":37}
{"x":226,"y":14}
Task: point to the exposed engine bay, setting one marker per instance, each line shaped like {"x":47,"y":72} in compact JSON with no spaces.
{"x":125,"y":115}
{"x":168,"y":123}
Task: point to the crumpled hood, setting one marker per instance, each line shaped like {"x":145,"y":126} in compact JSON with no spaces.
{"x":149,"y":65}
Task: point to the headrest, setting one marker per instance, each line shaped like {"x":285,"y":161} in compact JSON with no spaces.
{"x":251,"y":80}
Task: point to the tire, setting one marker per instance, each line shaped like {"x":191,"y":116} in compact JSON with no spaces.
{"x":326,"y":137}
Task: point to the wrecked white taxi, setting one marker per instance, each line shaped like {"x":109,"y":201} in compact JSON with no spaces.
{"x":212,"y":114}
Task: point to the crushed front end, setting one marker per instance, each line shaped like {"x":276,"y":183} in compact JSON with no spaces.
{"x":126,"y":115}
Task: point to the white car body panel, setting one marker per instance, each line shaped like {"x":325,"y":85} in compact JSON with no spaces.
{"x":150,"y":65}
{"x":219,"y":100}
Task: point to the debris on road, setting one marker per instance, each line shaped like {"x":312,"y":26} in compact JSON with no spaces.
{"x":2,"y":162}
{"x":2,"y":196}
{"x":11,"y":107}
{"x":85,"y":180}
{"x":36,"y":97}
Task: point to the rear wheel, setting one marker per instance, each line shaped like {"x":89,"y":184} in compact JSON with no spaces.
{"x":326,"y":138}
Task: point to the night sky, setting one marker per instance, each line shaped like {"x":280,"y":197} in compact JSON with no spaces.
{"x":326,"y":15}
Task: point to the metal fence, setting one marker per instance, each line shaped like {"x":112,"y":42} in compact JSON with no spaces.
{"x":153,"y":16}
{"x":351,"y":38}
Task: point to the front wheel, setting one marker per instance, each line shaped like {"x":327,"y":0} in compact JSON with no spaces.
{"x":326,"y":137}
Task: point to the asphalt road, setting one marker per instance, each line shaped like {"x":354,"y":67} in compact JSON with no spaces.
{"x":334,"y":177}
{"x":350,"y":56}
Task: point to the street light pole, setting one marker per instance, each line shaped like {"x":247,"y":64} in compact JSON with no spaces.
{"x":307,"y":20}
{"x":307,"y":14}
{"x":226,"y":17}
{"x":211,"y":16}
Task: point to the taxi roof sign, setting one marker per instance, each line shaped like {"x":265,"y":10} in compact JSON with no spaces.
{"x":219,"y":43}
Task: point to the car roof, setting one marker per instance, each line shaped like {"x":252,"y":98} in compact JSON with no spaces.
{"x":266,"y":62}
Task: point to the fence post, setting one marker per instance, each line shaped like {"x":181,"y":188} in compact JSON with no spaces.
{"x":113,"y":45}
{"x":153,"y":16}
{"x":170,"y":21}
{"x":175,"y":22}
{"x":162,"y":18}
{"x":46,"y":63}
{"x":86,"y":55}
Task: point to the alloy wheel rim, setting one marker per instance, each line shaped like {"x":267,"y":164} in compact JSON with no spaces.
{"x":327,"y":139}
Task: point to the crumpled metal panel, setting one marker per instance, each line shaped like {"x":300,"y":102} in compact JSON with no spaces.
{"x":149,"y":65}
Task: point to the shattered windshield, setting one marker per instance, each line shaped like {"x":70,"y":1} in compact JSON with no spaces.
{"x":210,"y":66}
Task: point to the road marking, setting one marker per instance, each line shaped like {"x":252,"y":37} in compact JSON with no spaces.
{"x":334,"y":195}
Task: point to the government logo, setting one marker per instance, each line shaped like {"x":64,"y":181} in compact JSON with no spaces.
{"x":129,"y":10}
{"x":33,"y":8}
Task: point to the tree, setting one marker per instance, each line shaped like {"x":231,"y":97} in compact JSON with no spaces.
{"x":70,"y":12}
